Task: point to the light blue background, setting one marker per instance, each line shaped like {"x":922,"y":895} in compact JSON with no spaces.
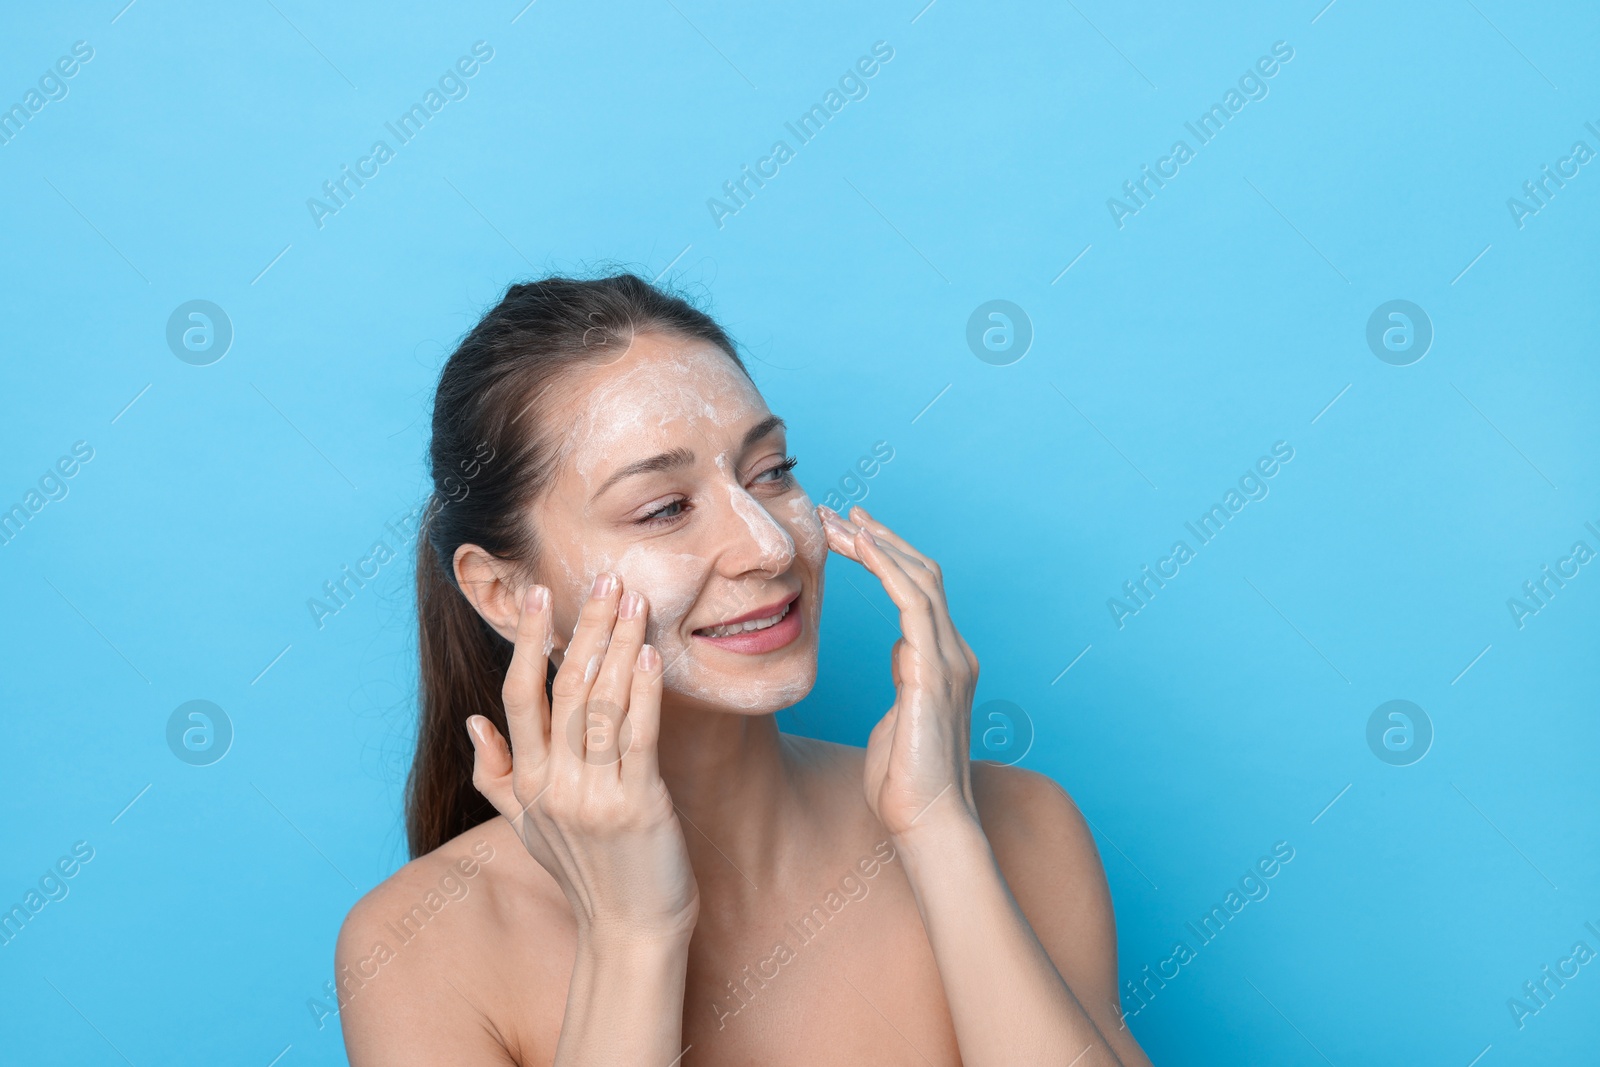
{"x":1223,"y":317}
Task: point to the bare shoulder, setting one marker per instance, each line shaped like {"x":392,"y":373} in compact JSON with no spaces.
{"x":416,"y":894}
{"x":1046,"y":850}
{"x":1032,"y":823}
{"x":419,"y":957}
{"x":1039,"y":837}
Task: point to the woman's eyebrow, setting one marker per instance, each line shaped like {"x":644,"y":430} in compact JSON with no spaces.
{"x":677,"y":458}
{"x":672,"y":459}
{"x":760,"y":430}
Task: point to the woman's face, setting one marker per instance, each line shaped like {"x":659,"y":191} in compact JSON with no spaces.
{"x":673,"y":476}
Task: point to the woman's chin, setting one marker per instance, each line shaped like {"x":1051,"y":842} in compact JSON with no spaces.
{"x":755,"y":690}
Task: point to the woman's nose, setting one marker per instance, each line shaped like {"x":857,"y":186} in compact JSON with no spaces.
{"x":756,"y":540}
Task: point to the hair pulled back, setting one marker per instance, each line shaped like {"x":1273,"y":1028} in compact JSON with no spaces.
{"x":491,"y":457}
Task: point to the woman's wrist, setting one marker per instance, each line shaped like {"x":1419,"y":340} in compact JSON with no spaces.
{"x":939,"y":835}
{"x":625,"y":999}
{"x":625,"y":945}
{"x":610,"y":968}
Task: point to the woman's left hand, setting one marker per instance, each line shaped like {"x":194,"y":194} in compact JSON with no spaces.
{"x":918,"y":771}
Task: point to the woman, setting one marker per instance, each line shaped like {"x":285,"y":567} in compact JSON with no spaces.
{"x":672,"y":880}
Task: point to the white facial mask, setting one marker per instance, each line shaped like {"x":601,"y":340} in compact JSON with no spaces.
{"x":680,"y":395}
{"x":776,"y":546}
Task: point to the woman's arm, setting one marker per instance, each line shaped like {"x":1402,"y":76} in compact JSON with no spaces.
{"x":1024,"y":989}
{"x":625,"y":1003}
{"x":1008,"y":1001}
{"x":586,"y":796}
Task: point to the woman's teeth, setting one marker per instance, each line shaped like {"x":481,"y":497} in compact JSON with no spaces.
{"x":742,"y":627}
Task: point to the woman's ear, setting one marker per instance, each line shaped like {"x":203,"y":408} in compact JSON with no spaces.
{"x":489,"y":586}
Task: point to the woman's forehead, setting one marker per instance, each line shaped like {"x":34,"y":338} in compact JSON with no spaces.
{"x":662,"y":392}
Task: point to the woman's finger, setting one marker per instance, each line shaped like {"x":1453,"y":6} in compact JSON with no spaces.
{"x":605,"y":720}
{"x":917,"y":610}
{"x":934,"y":637}
{"x":924,"y":571}
{"x":858,"y":543}
{"x":862,"y":517}
{"x":527,"y":716}
{"x":491,"y":767}
{"x":842,"y":534}
{"x":834,"y":523}
{"x":640,"y":766}
{"x":579,"y":665}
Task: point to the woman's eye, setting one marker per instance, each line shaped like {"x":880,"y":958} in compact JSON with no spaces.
{"x":779,"y":473}
{"x":665,"y":513}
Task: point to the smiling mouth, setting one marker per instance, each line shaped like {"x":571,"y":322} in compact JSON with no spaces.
{"x":732,"y":628}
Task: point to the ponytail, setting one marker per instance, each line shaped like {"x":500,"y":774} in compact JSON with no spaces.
{"x":462,"y":670}
{"x":491,"y":457}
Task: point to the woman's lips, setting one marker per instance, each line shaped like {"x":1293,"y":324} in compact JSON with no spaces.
{"x":768,"y":639}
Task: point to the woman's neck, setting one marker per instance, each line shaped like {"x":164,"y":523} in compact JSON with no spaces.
{"x":736,"y":784}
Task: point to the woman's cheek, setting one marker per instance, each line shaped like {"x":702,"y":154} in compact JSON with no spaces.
{"x":569,"y":588}
{"x":671,"y":583}
{"x":811,"y":551}
{"x":800,"y":518}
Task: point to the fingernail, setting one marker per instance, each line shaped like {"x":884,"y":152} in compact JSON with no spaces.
{"x":475,"y":729}
{"x":604,"y":583}
{"x":647,"y":659}
{"x":630,"y":605}
{"x":537,"y":598}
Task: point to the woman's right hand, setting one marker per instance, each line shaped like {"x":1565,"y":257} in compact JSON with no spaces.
{"x":580,"y":781}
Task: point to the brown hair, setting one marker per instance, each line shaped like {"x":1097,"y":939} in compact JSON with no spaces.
{"x":490,"y":459}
